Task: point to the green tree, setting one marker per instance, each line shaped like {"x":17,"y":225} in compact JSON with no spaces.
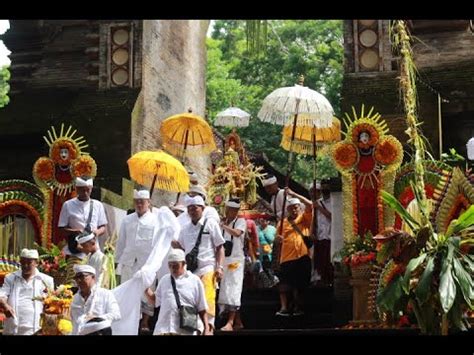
{"x":4,"y":87}
{"x":293,"y":47}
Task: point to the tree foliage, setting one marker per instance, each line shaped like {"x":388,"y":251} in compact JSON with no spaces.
{"x":4,"y":87}
{"x":293,"y":47}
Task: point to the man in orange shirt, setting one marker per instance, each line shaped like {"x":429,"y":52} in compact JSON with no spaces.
{"x":295,"y":263}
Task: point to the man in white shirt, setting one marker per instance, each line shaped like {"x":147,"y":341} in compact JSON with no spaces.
{"x":137,"y":236}
{"x":73,"y":220}
{"x":190,"y":291}
{"x":209,"y":211}
{"x":93,"y":308}
{"x":230,"y":292}
{"x":210,"y":250}
{"x":271,"y":187}
{"x":17,"y":293}
{"x":95,"y":258}
{"x":322,"y":252}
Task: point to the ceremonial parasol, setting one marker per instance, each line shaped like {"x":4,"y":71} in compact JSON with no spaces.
{"x":186,"y":135}
{"x":157,"y":168}
{"x":308,"y":138}
{"x":298,"y":100}
{"x":232,"y":117}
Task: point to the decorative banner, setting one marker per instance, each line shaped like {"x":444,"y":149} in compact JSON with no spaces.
{"x":367,"y":158}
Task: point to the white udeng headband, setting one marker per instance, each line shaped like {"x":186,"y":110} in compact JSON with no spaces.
{"x":269,"y":181}
{"x":293,"y":201}
{"x":232,"y":204}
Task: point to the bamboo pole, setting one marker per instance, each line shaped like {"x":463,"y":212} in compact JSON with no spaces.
{"x":440,"y":127}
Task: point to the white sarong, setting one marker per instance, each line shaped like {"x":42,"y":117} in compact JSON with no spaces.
{"x":230,"y":289}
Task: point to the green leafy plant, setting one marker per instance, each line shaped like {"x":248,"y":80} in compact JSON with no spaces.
{"x":453,"y":158}
{"x":51,"y":259}
{"x":433,"y":270}
{"x":437,"y":281}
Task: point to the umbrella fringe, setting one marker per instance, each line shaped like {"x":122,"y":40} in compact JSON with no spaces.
{"x":304,"y":119}
{"x":304,"y":148}
{"x":231,"y":121}
{"x":191,"y":151}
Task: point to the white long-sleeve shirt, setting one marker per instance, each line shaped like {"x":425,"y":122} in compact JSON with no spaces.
{"x":100,"y":303}
{"x":19,"y":294}
{"x":137,"y":237}
{"x":191,"y":293}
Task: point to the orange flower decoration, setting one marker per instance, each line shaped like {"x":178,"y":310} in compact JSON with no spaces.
{"x":85,"y":166}
{"x":44,"y":169}
{"x":56,"y":152}
{"x":386,"y":152}
{"x":368,"y":128}
{"x":345,"y":155}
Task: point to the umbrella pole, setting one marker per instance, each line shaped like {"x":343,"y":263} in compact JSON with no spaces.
{"x":315,"y":220}
{"x":288,"y":171}
{"x":153,"y":185}
{"x":182,"y":159}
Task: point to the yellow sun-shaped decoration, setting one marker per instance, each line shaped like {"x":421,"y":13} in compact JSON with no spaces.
{"x":370,"y":122}
{"x":64,"y":141}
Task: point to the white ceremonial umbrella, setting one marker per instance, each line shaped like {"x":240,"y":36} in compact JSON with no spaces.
{"x":232,"y":117}
{"x":282,"y":103}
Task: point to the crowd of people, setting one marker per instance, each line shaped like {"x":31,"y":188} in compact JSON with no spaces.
{"x":184,"y":264}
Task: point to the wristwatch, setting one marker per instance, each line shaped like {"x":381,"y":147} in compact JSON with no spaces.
{"x":220,"y":267}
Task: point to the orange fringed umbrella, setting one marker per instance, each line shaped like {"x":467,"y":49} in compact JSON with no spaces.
{"x":187,"y":135}
{"x":306,"y":137}
{"x":157,"y":168}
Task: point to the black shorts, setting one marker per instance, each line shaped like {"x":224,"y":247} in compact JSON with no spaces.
{"x":296,"y":273}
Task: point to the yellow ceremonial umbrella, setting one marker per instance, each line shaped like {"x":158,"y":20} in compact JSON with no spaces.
{"x":157,"y":168}
{"x":307,"y":137}
{"x":187,"y":135}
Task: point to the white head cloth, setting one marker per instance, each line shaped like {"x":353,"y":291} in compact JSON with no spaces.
{"x":181,"y":208}
{"x":193,"y":177}
{"x":92,"y":327}
{"x":232,"y":204}
{"x":29,"y":253}
{"x":199,"y":190}
{"x":81,"y":239}
{"x":294,"y":201}
{"x":83,"y":268}
{"x":176,"y":255}
{"x":141,"y":194}
{"x":196,"y":200}
{"x":80,"y":182}
{"x":269,"y":181}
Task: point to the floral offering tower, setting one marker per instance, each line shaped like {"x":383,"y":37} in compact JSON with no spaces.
{"x":368,"y":159}
{"x":55,"y":175}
